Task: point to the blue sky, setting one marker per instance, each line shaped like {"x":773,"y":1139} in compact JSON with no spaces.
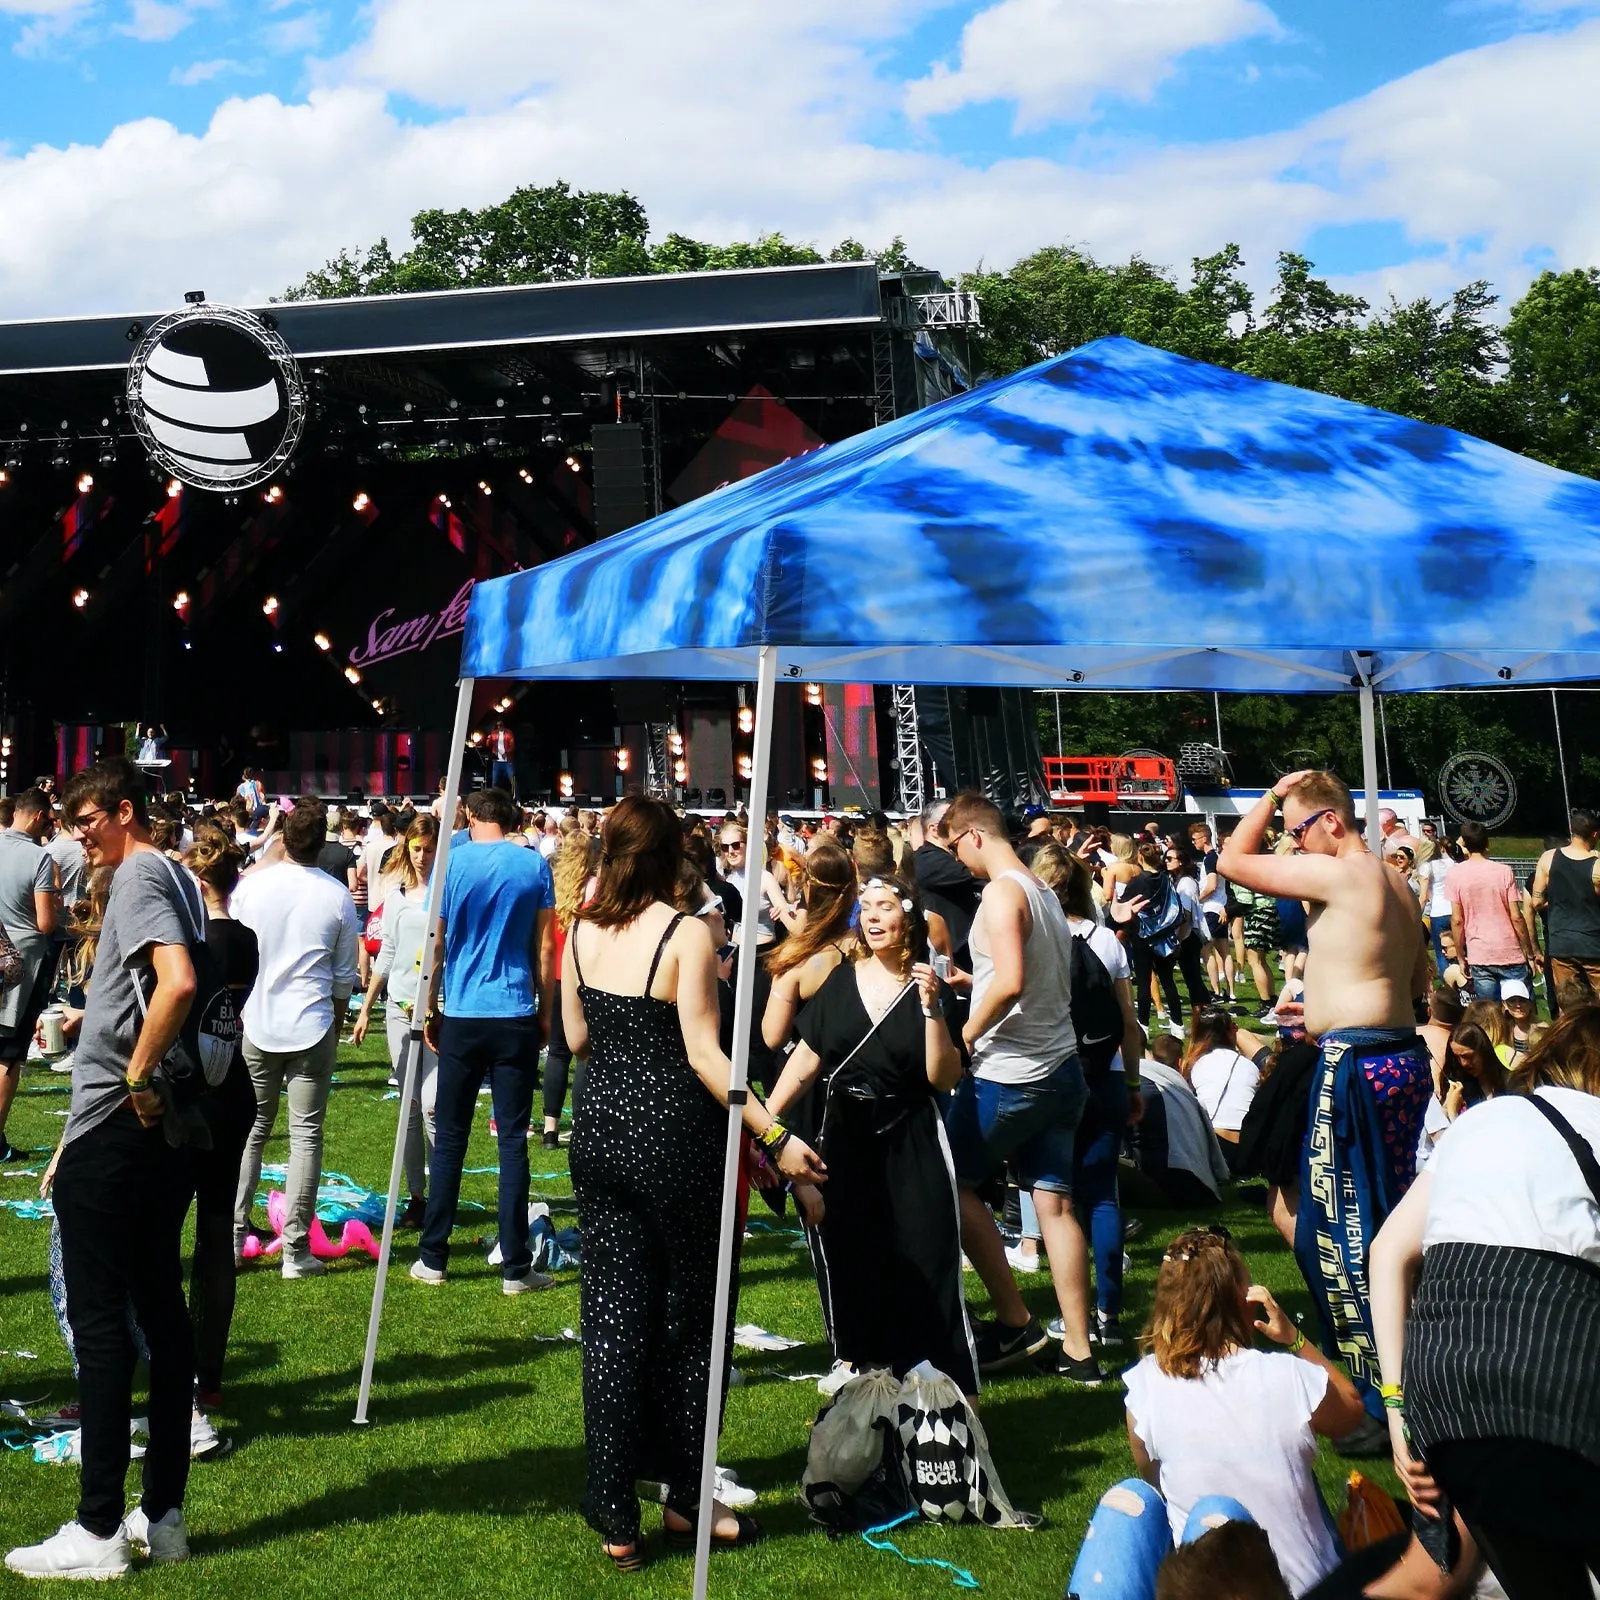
{"x":1405,"y":145}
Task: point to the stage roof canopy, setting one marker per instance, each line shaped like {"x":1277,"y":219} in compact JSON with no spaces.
{"x":1118,"y":517}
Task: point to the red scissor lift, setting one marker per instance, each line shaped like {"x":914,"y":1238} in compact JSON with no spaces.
{"x":1135,"y":782}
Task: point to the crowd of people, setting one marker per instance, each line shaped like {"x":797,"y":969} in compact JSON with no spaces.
{"x":971,"y":1032}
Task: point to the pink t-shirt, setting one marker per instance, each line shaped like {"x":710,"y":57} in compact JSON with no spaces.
{"x":1485,"y":891}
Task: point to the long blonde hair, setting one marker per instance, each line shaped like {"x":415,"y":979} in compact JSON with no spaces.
{"x":570,"y":871}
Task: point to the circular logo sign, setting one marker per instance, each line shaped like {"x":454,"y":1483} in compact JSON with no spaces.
{"x":1474,"y":787}
{"x":216,"y":396}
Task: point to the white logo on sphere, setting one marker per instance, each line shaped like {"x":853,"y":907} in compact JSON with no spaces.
{"x":216,"y":396}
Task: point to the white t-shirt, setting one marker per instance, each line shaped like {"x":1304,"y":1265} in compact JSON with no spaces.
{"x":1217,"y":900}
{"x":1435,"y":871}
{"x":1506,"y":1177}
{"x":1225,"y":1083}
{"x":1435,"y":1125}
{"x":1242,"y":1429}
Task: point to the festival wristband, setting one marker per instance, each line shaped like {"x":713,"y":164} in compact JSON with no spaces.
{"x":1393,"y":1396}
{"x":775,"y":1135}
{"x":1299,"y":1343}
{"x":137,"y":1085}
{"x":1273,"y":798}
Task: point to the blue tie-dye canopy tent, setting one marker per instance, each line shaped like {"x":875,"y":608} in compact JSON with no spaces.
{"x":1116,"y":518}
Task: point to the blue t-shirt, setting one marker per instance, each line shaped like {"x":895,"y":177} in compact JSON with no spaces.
{"x":493,"y":894}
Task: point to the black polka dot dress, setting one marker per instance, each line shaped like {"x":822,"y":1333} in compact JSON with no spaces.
{"x":646,"y":1159}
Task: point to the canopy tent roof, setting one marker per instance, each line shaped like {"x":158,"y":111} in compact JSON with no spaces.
{"x":1118,"y":517}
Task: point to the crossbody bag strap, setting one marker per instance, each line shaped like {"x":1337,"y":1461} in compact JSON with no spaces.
{"x":1575,"y":1142}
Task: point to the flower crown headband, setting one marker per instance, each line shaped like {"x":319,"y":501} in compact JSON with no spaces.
{"x":878,"y":883}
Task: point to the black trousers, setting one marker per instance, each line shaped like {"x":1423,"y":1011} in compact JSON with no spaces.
{"x":1145,"y":961}
{"x":230,"y":1111}
{"x":121,"y":1194}
{"x":557,"y":1061}
{"x":1191,"y":957}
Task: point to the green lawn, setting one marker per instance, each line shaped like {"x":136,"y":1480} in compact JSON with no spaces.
{"x":468,"y":1478}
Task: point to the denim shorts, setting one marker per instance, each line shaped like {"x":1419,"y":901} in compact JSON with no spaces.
{"x":1031,"y":1125}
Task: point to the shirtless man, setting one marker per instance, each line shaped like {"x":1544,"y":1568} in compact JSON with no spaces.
{"x":1367,"y":964}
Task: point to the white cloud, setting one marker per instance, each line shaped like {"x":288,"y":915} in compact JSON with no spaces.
{"x":295,"y":34}
{"x":154,"y":21}
{"x":203,"y":72}
{"x":1056,"y":58}
{"x":735,"y":118}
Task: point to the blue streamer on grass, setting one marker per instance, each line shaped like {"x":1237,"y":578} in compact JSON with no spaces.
{"x":961,"y":1579}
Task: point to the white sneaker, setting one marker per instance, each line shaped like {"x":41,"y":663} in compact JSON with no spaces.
{"x":306,"y":1266}
{"x":839,"y":1375}
{"x":528,"y":1283}
{"x":205,"y":1444}
{"x":1021,"y":1263}
{"x":423,"y":1273}
{"x":166,"y":1539}
{"x":730,"y":1492}
{"x":74,"y":1552}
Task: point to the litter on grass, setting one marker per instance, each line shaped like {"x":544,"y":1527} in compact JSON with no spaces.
{"x":751,"y":1336}
{"x":29,"y":1210}
{"x":960,"y":1578}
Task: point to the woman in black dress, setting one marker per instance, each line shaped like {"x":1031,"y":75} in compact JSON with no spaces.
{"x":230,"y":1111}
{"x":639,"y":1002}
{"x":885,"y":1228}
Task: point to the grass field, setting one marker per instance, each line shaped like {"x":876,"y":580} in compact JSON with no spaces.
{"x":468,"y":1478}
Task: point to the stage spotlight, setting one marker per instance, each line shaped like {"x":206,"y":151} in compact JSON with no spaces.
{"x":273,"y":495}
{"x":85,"y":483}
{"x":5,"y":477}
{"x":361,"y":501}
{"x":483,"y":487}
{"x":108,"y":454}
{"x":574,"y":463}
{"x":174,"y":488}
{"x":352,"y":674}
{"x":188,"y":644}
{"x":524,"y":474}
{"x":80,"y":598}
{"x":747,"y":720}
{"x":322,"y":641}
{"x":552,"y":437}
{"x":277,"y":647}
{"x":60,"y":459}
{"x":180,"y":601}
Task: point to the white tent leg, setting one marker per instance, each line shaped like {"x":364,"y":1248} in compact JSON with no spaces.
{"x":411,"y":1052}
{"x":743,"y":1008}
{"x":1369,"y":756}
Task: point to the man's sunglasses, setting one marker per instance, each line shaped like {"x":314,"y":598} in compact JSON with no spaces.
{"x":1298,"y":831}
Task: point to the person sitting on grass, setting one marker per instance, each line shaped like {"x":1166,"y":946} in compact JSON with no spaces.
{"x":1212,"y":1418}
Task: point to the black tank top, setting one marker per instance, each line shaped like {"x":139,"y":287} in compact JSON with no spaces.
{"x":1574,"y":909}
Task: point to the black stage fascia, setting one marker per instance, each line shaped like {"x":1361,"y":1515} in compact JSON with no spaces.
{"x":600,"y":309}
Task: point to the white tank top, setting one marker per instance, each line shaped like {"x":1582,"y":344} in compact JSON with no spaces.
{"x":1036,"y":1035}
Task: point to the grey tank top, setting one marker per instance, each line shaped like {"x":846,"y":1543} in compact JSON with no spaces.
{"x":1036,"y":1035}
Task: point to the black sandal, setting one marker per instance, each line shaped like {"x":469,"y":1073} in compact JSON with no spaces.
{"x":749,"y":1533}
{"x":630,"y":1559}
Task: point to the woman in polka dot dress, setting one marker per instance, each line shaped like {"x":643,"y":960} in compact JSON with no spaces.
{"x":639,"y":1001}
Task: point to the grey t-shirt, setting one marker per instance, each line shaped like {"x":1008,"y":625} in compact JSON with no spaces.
{"x":67,"y":854}
{"x":144,"y":911}
{"x":24,"y":867}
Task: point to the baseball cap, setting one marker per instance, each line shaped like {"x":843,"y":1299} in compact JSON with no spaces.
{"x":1033,"y":813}
{"x":1514,"y":989}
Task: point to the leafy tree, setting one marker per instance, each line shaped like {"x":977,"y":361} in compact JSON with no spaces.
{"x":1553,"y":339}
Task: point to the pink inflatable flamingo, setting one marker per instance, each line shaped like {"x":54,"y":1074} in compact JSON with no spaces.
{"x":355,"y":1235}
